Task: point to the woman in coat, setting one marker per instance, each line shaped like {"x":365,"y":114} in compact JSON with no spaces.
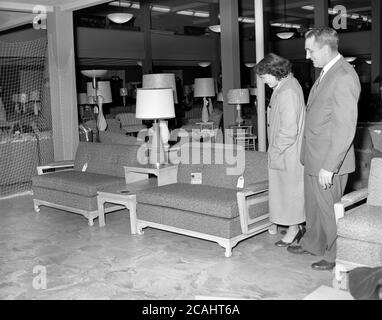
{"x":286,"y":113}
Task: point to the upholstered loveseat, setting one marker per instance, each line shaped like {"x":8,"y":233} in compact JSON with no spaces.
{"x":208,"y":200}
{"x":73,"y":185}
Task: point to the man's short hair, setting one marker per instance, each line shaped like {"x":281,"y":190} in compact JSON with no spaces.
{"x":324,"y":36}
{"x":274,"y":65}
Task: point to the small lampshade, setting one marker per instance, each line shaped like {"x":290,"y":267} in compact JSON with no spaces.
{"x":23,"y":98}
{"x":123,"y":92}
{"x":160,"y":81}
{"x":155,"y":103}
{"x":238,"y":96}
{"x":103,"y":90}
{"x":34,"y":95}
{"x":253,"y":91}
{"x":204,"y":87}
{"x":93,"y":73}
{"x":219,"y":97}
{"x":82,"y":98}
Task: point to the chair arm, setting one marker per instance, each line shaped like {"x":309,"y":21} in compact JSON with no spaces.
{"x":255,"y":188}
{"x":64,"y":165}
{"x":348,"y":200}
{"x":245,"y":201}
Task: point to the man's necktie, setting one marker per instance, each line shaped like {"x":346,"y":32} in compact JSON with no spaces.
{"x":320,"y":77}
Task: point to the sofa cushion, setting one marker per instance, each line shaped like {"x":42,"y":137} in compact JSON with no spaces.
{"x":104,"y":158}
{"x":256,"y":167}
{"x":82,"y":183}
{"x":363,"y":223}
{"x":215,"y":201}
{"x":361,"y":252}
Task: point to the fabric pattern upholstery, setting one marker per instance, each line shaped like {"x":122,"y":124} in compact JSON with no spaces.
{"x":220,"y":202}
{"x":86,"y":184}
{"x":128,"y":119}
{"x":361,"y":252}
{"x":364,"y":224}
{"x":375,"y":183}
{"x":189,"y":220}
{"x":109,"y":159}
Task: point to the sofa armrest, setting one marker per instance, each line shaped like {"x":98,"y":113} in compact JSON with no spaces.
{"x":255,"y":188}
{"x":60,"y":165}
{"x":246,"y":199}
{"x":348,"y":200}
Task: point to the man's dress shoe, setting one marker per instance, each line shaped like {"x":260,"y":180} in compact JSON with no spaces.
{"x":323,"y":265}
{"x":297,"y":250}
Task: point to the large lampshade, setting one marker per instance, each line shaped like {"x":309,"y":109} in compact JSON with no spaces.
{"x":103,"y":91}
{"x":238,"y":96}
{"x":155,"y":103}
{"x":93,"y":73}
{"x":160,"y":81}
{"x":204,"y":87}
{"x":82,"y":98}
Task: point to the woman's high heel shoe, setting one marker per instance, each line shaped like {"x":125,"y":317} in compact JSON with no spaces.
{"x":297,"y":238}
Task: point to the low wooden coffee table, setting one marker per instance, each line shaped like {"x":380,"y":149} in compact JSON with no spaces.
{"x":125,"y":196}
{"x":165,"y":173}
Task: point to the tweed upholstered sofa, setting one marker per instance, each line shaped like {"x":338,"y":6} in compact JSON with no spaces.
{"x":73,"y":185}
{"x":207,"y":202}
{"x":359,"y":241}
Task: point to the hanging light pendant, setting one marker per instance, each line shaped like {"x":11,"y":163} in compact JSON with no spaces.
{"x":120,"y":17}
{"x":286,"y":34}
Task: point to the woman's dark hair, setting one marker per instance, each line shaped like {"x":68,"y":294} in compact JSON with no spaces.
{"x":274,"y":65}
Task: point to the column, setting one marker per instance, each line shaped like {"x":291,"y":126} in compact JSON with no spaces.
{"x":147,"y":63}
{"x":261,"y":120}
{"x":230,"y":54}
{"x":376,"y":44}
{"x":214,"y":19}
{"x":62,"y":78}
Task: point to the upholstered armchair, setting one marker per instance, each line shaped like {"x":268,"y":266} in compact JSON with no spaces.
{"x":359,"y":241}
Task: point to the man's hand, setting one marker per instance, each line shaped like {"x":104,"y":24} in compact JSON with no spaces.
{"x":325,"y":178}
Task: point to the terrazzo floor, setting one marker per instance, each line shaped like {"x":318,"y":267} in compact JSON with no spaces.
{"x":82,"y":262}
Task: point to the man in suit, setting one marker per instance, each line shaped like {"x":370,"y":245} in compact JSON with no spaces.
{"x":327,"y":150}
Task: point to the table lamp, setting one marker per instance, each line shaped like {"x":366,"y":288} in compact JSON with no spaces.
{"x":155,"y":104}
{"x":34,"y":96}
{"x":160,"y":81}
{"x":205,"y":88}
{"x":123,"y":94}
{"x":100,"y":96}
{"x":238,"y":97}
{"x":23,"y":100}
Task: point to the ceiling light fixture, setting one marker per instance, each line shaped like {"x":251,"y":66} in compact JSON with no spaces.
{"x":204,"y":64}
{"x":120,"y":17}
{"x":215,"y":28}
{"x":350,"y":59}
{"x":250,"y":64}
{"x":285,"y":35}
{"x":161,"y":9}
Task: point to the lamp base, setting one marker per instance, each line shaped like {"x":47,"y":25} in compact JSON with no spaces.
{"x":157,"y":154}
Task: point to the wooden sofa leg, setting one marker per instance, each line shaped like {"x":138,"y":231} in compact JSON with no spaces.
{"x":36,"y":206}
{"x":90,"y":221}
{"x":340,"y":279}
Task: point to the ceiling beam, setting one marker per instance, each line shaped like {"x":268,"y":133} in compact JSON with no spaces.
{"x":21,"y":7}
{"x":81,"y":4}
{"x":17,"y":22}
